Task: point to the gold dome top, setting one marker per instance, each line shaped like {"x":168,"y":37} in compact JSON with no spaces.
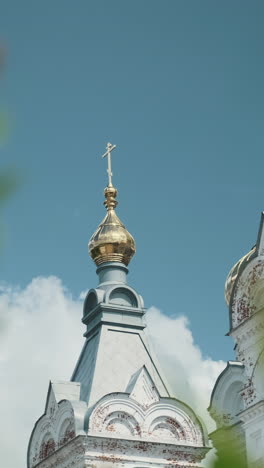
{"x":234,"y":272}
{"x":111,"y":241}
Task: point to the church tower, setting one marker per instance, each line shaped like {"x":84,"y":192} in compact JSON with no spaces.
{"x":237,"y":401}
{"x":117,"y":410}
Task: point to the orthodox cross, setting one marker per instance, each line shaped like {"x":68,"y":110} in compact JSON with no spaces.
{"x":109,"y":148}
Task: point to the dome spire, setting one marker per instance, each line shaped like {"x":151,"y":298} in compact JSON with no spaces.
{"x":110,"y":191}
{"x":111,"y":241}
{"x":109,"y":149}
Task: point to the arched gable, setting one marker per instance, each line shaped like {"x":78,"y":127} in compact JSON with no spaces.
{"x":61,"y":422}
{"x":226,"y":399}
{"x":149,"y":418}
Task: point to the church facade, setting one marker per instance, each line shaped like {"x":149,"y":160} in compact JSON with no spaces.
{"x":237,"y":401}
{"x":117,"y":409}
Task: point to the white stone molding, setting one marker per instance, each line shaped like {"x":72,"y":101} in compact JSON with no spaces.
{"x":249,"y":332}
{"x":249,"y":349}
{"x":254,"y":412}
{"x":98,"y":452}
{"x":252,"y":419}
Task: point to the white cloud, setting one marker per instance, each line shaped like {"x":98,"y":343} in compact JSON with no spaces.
{"x":191,"y":375}
{"x":40,"y":340}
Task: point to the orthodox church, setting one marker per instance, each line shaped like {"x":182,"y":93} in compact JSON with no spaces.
{"x":117,"y":409}
{"x":237,"y":401}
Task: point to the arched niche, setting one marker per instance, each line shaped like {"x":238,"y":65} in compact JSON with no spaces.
{"x":233,"y":402}
{"x":167,"y":428}
{"x":93,"y":298}
{"x":122,"y":296}
{"x":90,"y":302}
{"x":116,"y":414}
{"x":121,"y":423}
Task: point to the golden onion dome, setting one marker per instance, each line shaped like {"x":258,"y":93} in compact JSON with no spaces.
{"x":234,"y":273}
{"x":111,"y":242}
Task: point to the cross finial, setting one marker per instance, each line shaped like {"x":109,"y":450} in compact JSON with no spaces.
{"x":109,"y":148}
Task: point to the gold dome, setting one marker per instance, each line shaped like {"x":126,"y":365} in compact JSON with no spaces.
{"x":234,"y":272}
{"x":111,"y":242}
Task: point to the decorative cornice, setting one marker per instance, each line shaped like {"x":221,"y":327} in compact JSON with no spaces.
{"x":249,"y":328}
{"x":114,"y":315}
{"x":85,"y":449}
{"x":253,"y":412}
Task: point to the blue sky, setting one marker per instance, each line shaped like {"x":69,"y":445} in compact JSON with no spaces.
{"x":178,"y":86}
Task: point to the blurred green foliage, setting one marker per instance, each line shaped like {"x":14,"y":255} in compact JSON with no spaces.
{"x":229,"y":458}
{"x":3,"y":127}
{"x":231,"y":450}
{"x":8,"y":179}
{"x":8,"y":184}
